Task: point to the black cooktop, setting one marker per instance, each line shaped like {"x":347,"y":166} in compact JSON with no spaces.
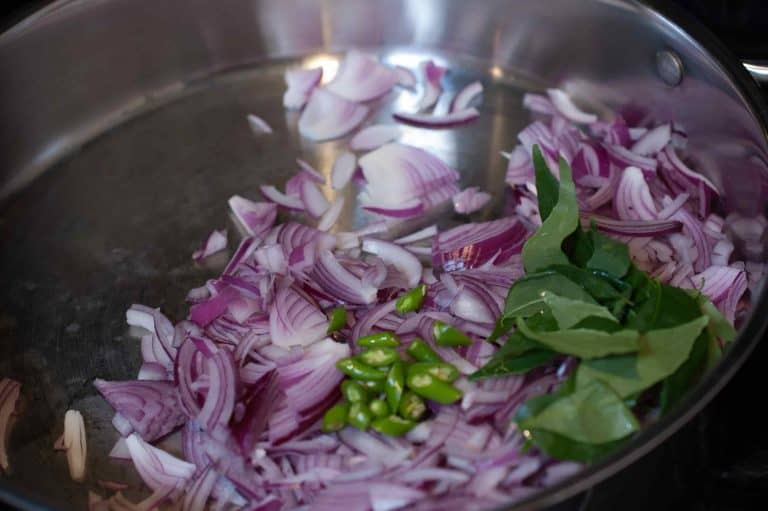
{"x":718,"y":462}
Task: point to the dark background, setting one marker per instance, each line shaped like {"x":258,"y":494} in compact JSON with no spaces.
{"x":719,"y":462}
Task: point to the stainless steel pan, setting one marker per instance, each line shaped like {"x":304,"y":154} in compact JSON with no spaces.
{"x":122,"y":133}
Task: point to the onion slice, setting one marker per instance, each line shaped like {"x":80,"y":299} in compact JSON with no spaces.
{"x":279,"y":198}
{"x":75,"y":444}
{"x":328,"y":116}
{"x":295,"y":320}
{"x":255,"y":217}
{"x":405,"y":77}
{"x":431,"y":74}
{"x":465,"y":96}
{"x":343,"y":169}
{"x":438,"y":121}
{"x":258,"y":125}
{"x":566,"y":107}
{"x":330,"y":217}
{"x":633,"y":227}
{"x":397,"y":256}
{"x":157,"y":468}
{"x":653,"y":141}
{"x":314,"y":201}
{"x":362,"y":77}
{"x":372,"y":137}
{"x":301,"y":83}
{"x":215,"y":242}
{"x":470,"y":200}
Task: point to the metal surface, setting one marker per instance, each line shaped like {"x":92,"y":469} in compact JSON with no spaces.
{"x":124,"y":132}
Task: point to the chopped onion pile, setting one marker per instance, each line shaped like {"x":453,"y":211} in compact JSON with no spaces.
{"x":250,"y":374}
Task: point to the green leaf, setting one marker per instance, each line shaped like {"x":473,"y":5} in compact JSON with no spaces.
{"x":686,"y":376}
{"x":584,"y":343}
{"x":546,"y":184}
{"x":505,"y":365}
{"x":661,"y":353}
{"x":661,"y":306}
{"x":568,"y":312}
{"x":579,"y":247}
{"x":608,"y":255}
{"x":718,"y":325}
{"x":592,"y":414}
{"x":601,"y":286}
{"x":524,"y":298}
{"x":561,"y":447}
{"x":544,"y":248}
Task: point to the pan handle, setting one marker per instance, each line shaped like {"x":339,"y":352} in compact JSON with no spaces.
{"x":758,"y":69}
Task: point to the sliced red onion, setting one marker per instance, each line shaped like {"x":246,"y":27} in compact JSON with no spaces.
{"x":263,"y":398}
{"x":449,"y":120}
{"x":519,"y":167}
{"x":151,"y":407}
{"x":565,"y":106}
{"x":329,"y":218}
{"x":693,"y":228}
{"x":362,"y":77}
{"x":314,"y":201}
{"x":422,"y":234}
{"x":243,"y":253}
{"x":279,"y":198}
{"x":470,"y":200}
{"x":538,"y":133}
{"x":272,"y":258}
{"x":343,"y":169}
{"x":539,"y":104}
{"x":389,"y":497}
{"x":220,"y":400}
{"x":431,"y":74}
{"x":74,"y":442}
{"x":215,"y":242}
{"x":633,"y":200}
{"x":258,"y":125}
{"x":328,"y":116}
{"x":375,"y":449}
{"x":295,"y":320}
{"x":590,"y":160}
{"x":157,"y":468}
{"x":310,"y":171}
{"x":196,"y":498}
{"x":466,"y":96}
{"x":654,"y":141}
{"x":301,"y":83}
{"x":633,"y":227}
{"x":338,"y":282}
{"x":407,"y":209}
{"x":317,"y":380}
{"x":471,"y":245}
{"x":405,"y":77}
{"x":637,"y":133}
{"x":373,"y":137}
{"x":673,"y":206}
{"x":398,"y":175}
{"x":623,"y":158}
{"x":9,"y":395}
{"x":204,"y":313}
{"x":689,"y":178}
{"x":396,"y":256}
{"x":255,"y":217}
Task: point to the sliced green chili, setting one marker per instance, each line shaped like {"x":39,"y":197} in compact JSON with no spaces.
{"x":379,"y":408}
{"x":354,"y":392}
{"x":359,"y":416}
{"x":373,"y":386}
{"x":432,"y":388}
{"x":412,"y":300}
{"x":441,"y":370}
{"x":446,"y":335}
{"x":385,"y":339}
{"x":337,"y":319}
{"x":422,"y":352}
{"x":395,"y":384}
{"x":412,"y":406}
{"x":379,"y":356}
{"x":335,"y":418}
{"x":392,"y":425}
{"x":358,"y":370}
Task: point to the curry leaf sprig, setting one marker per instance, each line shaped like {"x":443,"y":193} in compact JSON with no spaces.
{"x":582,"y":297}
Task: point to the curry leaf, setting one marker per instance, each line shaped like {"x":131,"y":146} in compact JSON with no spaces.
{"x":661,"y":353}
{"x":676,"y":385}
{"x":568,"y":312}
{"x":592,"y":414}
{"x":546,"y":184}
{"x":561,"y":447}
{"x":584,"y":343}
{"x":662,"y":306}
{"x":544,"y":248}
{"x":608,"y":255}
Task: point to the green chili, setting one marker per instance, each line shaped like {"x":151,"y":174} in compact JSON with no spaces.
{"x":337,"y":319}
{"x":354,"y":392}
{"x":373,"y":386}
{"x":359,"y":416}
{"x":335,"y":418}
{"x":358,"y":370}
{"x":441,"y":370}
{"x":412,"y":300}
{"x":394,"y":385}
{"x":379,"y":408}
{"x":385,"y":339}
{"x":432,"y":388}
{"x":423,"y":352}
{"x":412,"y":407}
{"x":392,"y":425}
{"x":446,"y":335}
{"x":379,"y":356}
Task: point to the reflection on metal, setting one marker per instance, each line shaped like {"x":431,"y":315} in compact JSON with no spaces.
{"x":669,"y":67}
{"x":329,"y":63}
